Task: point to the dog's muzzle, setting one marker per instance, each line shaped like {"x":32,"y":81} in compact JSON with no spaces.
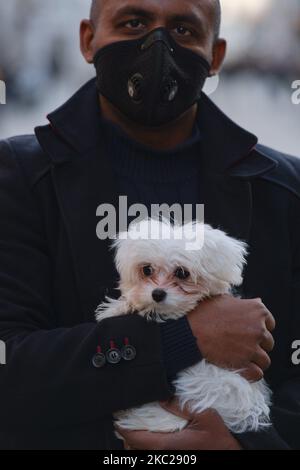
{"x":159,"y":295}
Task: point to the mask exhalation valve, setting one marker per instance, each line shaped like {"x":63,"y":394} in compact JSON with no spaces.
{"x":135,"y":87}
{"x":169,"y":90}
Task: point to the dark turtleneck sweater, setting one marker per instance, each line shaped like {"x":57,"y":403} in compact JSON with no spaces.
{"x":148,"y":176}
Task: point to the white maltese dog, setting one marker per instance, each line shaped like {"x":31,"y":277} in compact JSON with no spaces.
{"x":165,"y":270}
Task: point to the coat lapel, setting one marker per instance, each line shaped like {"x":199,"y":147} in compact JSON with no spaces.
{"x":228,"y":204}
{"x":83,"y":180}
{"x":80,"y":189}
{"x":230,"y":162}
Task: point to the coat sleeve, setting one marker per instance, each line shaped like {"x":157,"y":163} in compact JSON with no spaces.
{"x":49,"y":378}
{"x":285,"y":433}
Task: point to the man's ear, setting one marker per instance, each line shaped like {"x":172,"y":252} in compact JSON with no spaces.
{"x":219,"y":53}
{"x":86,"y":40}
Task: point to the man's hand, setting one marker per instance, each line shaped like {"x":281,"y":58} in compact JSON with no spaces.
{"x":205,"y":431}
{"x":234,"y":333}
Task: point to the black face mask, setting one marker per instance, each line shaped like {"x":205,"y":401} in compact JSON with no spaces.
{"x":151,"y":80}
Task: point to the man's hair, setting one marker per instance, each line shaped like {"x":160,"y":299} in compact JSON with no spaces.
{"x":95,"y":10}
{"x":218,"y":17}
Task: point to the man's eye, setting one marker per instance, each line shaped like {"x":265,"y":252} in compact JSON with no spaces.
{"x":182,"y":31}
{"x":147,"y":270}
{"x":182,"y":274}
{"x":134,"y":24}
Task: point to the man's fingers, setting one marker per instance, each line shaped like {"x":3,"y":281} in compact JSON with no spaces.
{"x":268,"y":342}
{"x":126,"y":446}
{"x":202,"y":433}
{"x":143,"y":440}
{"x":174,"y":407}
{"x":252,"y":373}
{"x":270,"y":321}
{"x":198,"y":419}
{"x":188,"y":439}
{"x":205,"y":420}
{"x":262,"y":359}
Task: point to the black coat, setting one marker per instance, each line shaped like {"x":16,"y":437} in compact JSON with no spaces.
{"x":54,"y":271}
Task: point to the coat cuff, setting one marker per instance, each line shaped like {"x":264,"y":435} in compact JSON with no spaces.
{"x":179,"y":346}
{"x":263,"y":440}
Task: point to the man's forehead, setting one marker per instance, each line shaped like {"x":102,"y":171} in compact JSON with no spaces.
{"x":162,"y":6}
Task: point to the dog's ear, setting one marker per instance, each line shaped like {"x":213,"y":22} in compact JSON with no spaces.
{"x":119,"y":248}
{"x":224,"y":256}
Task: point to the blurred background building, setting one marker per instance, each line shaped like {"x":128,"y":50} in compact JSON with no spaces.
{"x":41,"y":64}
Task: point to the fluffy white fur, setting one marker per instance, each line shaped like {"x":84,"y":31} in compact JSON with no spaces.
{"x":214,"y":266}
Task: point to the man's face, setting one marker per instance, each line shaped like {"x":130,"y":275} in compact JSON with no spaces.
{"x":190,"y":22}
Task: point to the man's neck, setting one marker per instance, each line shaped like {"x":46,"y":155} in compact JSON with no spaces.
{"x":164,"y":137}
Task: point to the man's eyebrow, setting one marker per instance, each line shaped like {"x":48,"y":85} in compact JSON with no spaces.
{"x":133,"y":11}
{"x":190,"y":18}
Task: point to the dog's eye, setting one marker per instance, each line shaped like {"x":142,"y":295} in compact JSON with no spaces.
{"x":182,"y":273}
{"x":147,"y":270}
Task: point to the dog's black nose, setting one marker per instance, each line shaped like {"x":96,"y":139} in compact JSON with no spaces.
{"x":159,"y":295}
